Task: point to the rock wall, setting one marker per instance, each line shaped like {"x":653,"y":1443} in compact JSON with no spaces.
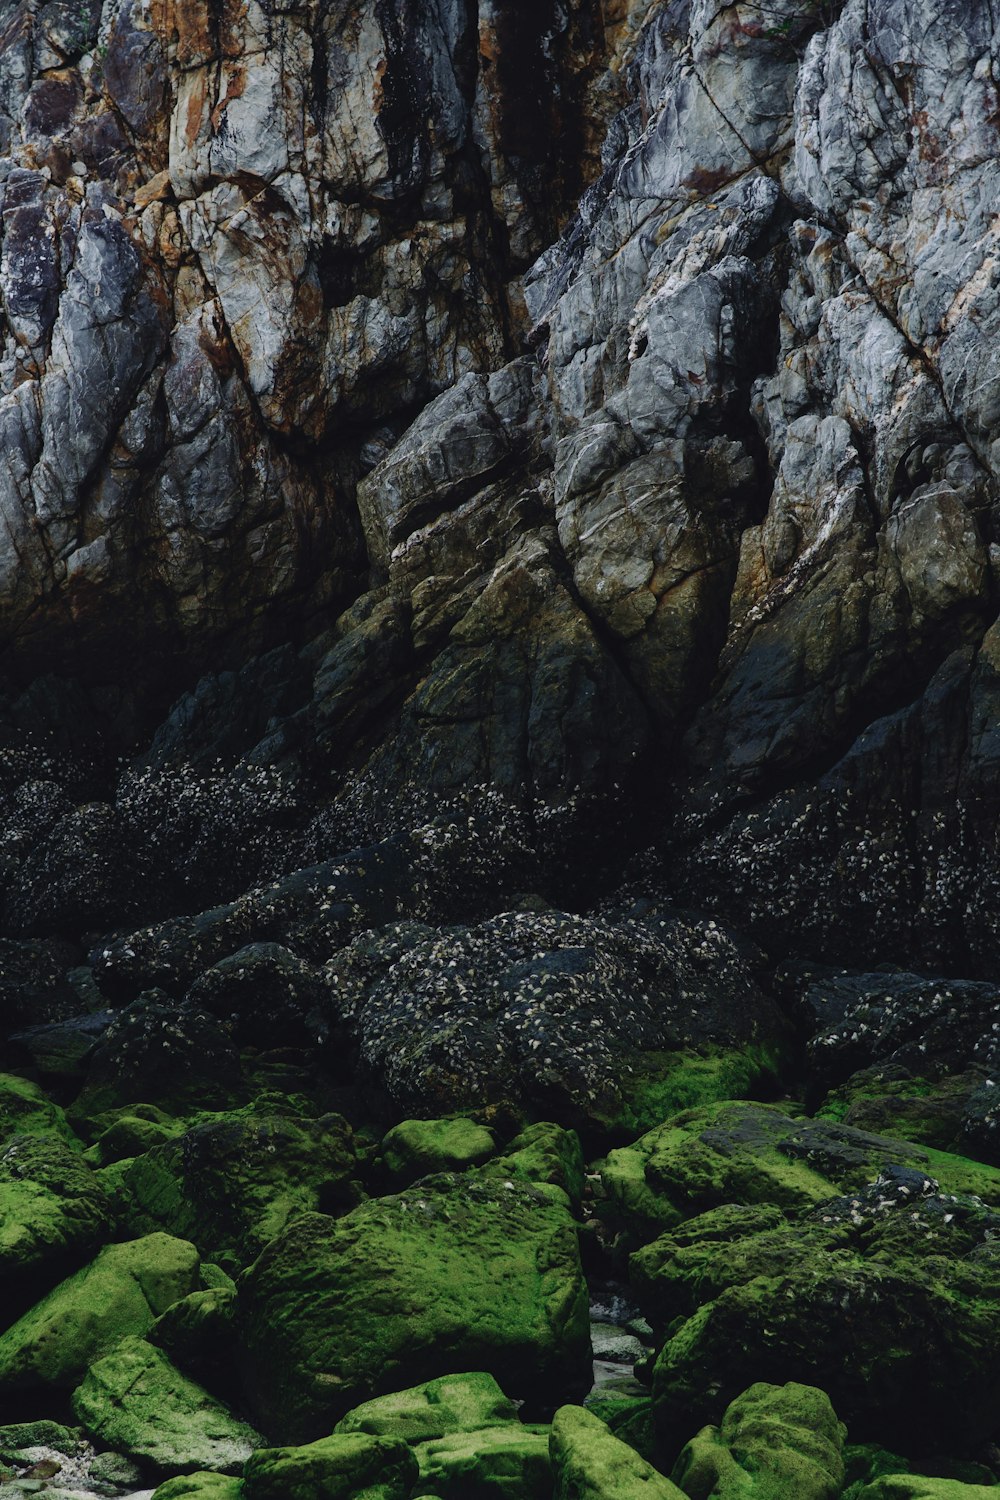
{"x":569,"y":398}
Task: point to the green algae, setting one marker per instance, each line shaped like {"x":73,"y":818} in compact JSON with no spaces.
{"x":51,"y":1205}
{"x":462,"y":1272}
{"x":200,"y":1486}
{"x":509,"y":1462}
{"x":546,"y":1155}
{"x":26,"y":1110}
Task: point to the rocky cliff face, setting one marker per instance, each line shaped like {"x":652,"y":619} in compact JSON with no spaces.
{"x":687,"y":484}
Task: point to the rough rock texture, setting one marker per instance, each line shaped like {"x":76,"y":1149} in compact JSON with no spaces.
{"x":456,"y":1272}
{"x":133,"y":1400}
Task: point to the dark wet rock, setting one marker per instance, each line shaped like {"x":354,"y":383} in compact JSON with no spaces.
{"x":459,"y":1272}
{"x":263,"y":992}
{"x":157,"y":1049}
{"x":61,"y":1049}
{"x":34,"y":989}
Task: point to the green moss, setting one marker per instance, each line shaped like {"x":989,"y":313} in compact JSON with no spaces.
{"x":498,"y":1463}
{"x":545,"y":1154}
{"x":773,"y":1442}
{"x":351,"y":1466}
{"x":136,"y":1402}
{"x":18,"y":1435}
{"x":51,"y":1204}
{"x":130,"y":1135}
{"x":120,"y":1293}
{"x":665,"y":1083}
{"x":463,"y":1271}
{"x":26,"y":1110}
{"x":755,"y":1153}
{"x":917,"y":1487}
{"x":590,"y":1463}
{"x":200,"y":1486}
{"x":450,"y":1404}
{"x":234,"y":1180}
{"x":416,"y":1148}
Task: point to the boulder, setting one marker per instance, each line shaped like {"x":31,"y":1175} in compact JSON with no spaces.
{"x":135,"y":1401}
{"x":53,"y":1209}
{"x":121,"y":1293}
{"x":436,"y":1409}
{"x":899,"y":1281}
{"x":499,"y":1463}
{"x":414,"y":1148}
{"x":772,"y":1441}
{"x":26,"y":1110}
{"x":590,"y":1463}
{"x":462,"y":1271}
{"x":753,"y":1154}
{"x":333,"y":1468}
{"x":234,"y":1180}
{"x":203,"y":1485}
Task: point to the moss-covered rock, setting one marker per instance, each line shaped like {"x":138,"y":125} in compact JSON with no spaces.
{"x":917,"y":1487}
{"x":200,"y":1486}
{"x":131,"y":1135}
{"x":119,"y":1294}
{"x":590,"y":1463}
{"x":462,"y":1272}
{"x":889,"y":1297}
{"x":773,"y":1442}
{"x":347,"y":1466}
{"x":136,"y":1402}
{"x":498,"y":1463}
{"x":52,"y":1207}
{"x":16,"y":1436}
{"x":26,"y":1110}
{"x":755,"y":1153}
{"x":435,"y":1409}
{"x":415,"y":1148}
{"x":198,"y":1333}
{"x":233,"y":1181}
{"x":545,"y":1154}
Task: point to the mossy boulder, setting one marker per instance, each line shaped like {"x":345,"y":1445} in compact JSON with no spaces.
{"x":233,"y":1181}
{"x":773,"y":1442}
{"x":52,"y":1207}
{"x":347,"y":1466}
{"x":590,"y":1463}
{"x":917,"y":1487}
{"x":497,"y":1463}
{"x":131,"y":1135}
{"x":16,"y":1436}
{"x":461,"y":1272}
{"x":201,"y":1486}
{"x":26,"y":1110}
{"x":435,"y":1409}
{"x":889,"y":1297}
{"x":545,"y":1154}
{"x":416,"y":1148}
{"x":122,"y":1292}
{"x":755,"y":1153}
{"x":198,"y":1333}
{"x":136,"y":1402}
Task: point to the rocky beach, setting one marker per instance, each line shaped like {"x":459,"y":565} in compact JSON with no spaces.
{"x":499,"y":749}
